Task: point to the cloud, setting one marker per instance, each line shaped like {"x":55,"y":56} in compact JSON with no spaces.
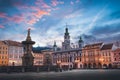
{"x":1,"y":26}
{"x":72,"y":3}
{"x":35,"y":16}
{"x":96,"y":18}
{"x":56,"y":2}
{"x":73,"y":15}
{"x":30,"y":14}
{"x":106,"y":29}
{"x":2,"y":15}
{"x":16,"y":18}
{"x":115,"y":15}
{"x":42,"y":4}
{"x":77,"y":1}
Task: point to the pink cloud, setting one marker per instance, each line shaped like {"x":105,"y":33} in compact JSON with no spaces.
{"x":40,"y":13}
{"x":1,"y":26}
{"x":30,"y":16}
{"x":37,"y":15}
{"x":33,"y":13}
{"x":16,"y":18}
{"x":3,"y":15}
{"x":42,"y":4}
{"x":56,"y":2}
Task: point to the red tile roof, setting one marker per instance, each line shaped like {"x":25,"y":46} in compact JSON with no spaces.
{"x":96,"y":44}
{"x":13,"y":43}
{"x":107,"y":46}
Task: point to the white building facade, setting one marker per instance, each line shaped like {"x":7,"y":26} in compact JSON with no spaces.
{"x":15,"y":53}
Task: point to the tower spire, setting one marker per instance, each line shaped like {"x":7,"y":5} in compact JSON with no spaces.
{"x":66,"y":30}
{"x":54,"y":44}
{"x":80,"y":40}
{"x":28,"y":35}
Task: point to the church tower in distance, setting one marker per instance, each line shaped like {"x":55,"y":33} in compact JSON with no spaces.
{"x":66,"y":43}
{"x":80,"y":42}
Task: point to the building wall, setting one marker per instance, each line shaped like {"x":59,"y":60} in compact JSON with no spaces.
{"x":3,"y":54}
{"x":15,"y":55}
{"x":116,"y":58}
{"x":47,"y":57}
{"x":70,"y":59}
{"x":91,"y":56}
{"x":106,"y":57}
{"x":38,"y":59}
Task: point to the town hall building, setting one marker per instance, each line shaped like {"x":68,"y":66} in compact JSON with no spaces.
{"x":68,"y":57}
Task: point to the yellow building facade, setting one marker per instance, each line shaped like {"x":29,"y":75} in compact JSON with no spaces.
{"x":106,"y":55}
{"x":3,"y":54}
{"x":91,"y":56}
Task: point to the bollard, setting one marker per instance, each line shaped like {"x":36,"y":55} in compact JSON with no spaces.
{"x":38,"y":69}
{"x":23,"y":69}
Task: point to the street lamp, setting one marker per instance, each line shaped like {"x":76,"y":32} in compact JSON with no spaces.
{"x":101,"y":60}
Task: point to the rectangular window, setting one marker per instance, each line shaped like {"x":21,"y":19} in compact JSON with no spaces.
{"x":109,"y":54}
{"x":2,"y":57}
{"x":10,"y":55}
{"x":114,"y":59}
{"x":106,"y":53}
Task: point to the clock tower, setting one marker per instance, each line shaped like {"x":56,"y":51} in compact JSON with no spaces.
{"x":66,"y":43}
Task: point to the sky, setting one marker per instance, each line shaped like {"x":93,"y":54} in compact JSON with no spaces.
{"x":94,"y":20}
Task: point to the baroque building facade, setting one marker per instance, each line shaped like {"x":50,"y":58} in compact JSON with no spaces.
{"x":91,"y":55}
{"x":96,"y":55}
{"x":68,"y":57}
{"x":116,"y":58}
{"x":3,"y":54}
{"x":107,"y":55}
{"x":38,"y":58}
{"x":15,"y":52}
